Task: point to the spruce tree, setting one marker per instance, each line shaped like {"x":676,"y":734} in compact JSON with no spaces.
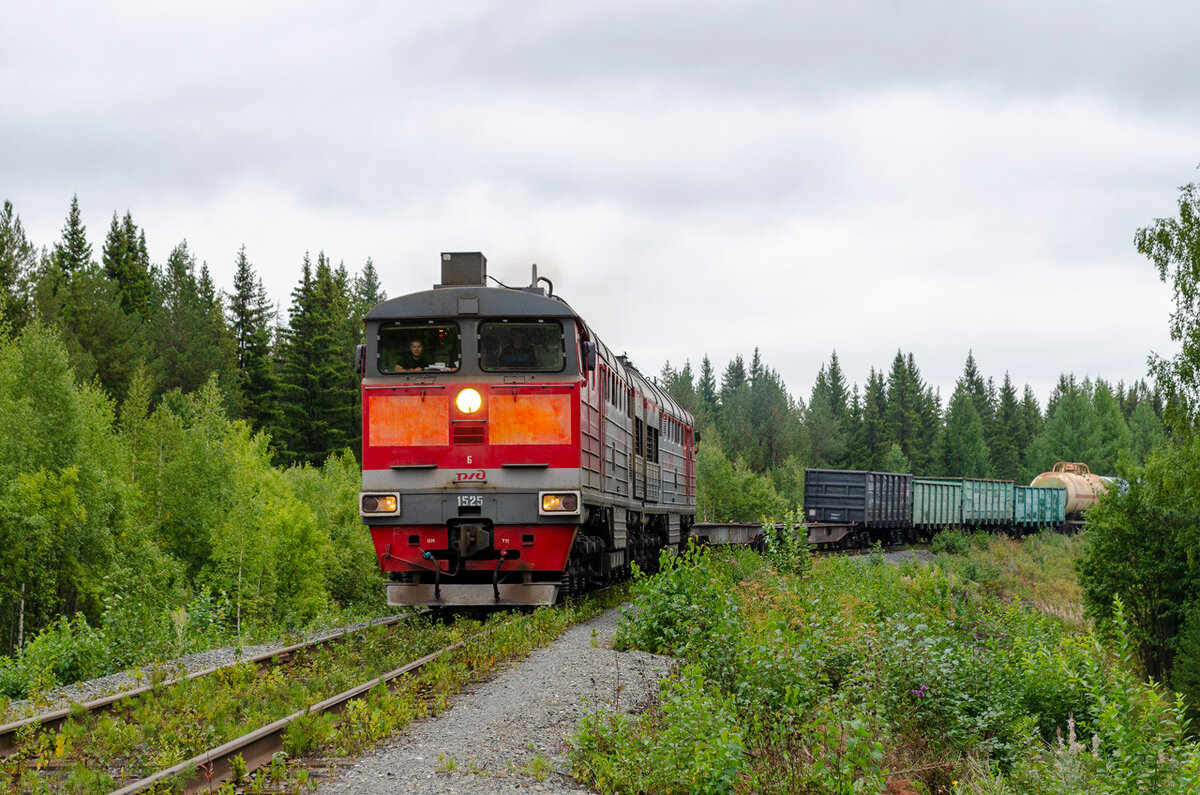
{"x":776,"y":423}
{"x":316,"y":390}
{"x":735,"y":421}
{"x":251,"y":317}
{"x":18,"y":259}
{"x":1031,"y":426}
{"x":734,"y":378}
{"x":1113,"y":438}
{"x":72,"y":293}
{"x":1146,"y":432}
{"x":706,"y":390}
{"x":191,"y":339}
{"x":73,"y":253}
{"x":874,"y":446}
{"x":367,"y":291}
{"x":1005,"y":449}
{"x":679,"y":385}
{"x":929,"y":417}
{"x":127,"y":263}
{"x":966,"y":454}
{"x":343,"y":295}
{"x":296,"y":379}
{"x":903,"y":418}
{"x":823,"y":419}
{"x":1069,"y":433}
{"x":103,"y":339}
{"x":983,"y":395}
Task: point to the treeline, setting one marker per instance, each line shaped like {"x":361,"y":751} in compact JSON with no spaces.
{"x":758,"y":439}
{"x":157,"y":437}
{"x":123,"y":317}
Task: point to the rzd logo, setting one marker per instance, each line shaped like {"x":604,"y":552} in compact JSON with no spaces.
{"x":478,"y":475}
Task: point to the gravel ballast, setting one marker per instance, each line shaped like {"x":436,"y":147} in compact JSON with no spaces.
{"x":496,"y":733}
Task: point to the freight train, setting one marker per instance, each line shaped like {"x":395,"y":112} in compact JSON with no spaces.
{"x":509,"y":456}
{"x":844,"y":508}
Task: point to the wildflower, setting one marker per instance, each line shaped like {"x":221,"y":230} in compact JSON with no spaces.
{"x":921,"y":691}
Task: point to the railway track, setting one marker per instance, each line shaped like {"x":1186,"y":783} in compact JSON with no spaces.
{"x":37,"y":744}
{"x":257,"y":748}
{"x":53,"y":721}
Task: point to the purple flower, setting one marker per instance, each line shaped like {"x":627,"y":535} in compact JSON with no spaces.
{"x":920,"y":691}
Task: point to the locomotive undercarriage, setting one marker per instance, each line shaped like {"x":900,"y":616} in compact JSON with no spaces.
{"x":597,"y":560}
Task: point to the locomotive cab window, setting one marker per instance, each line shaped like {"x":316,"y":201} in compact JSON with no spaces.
{"x":418,"y":347}
{"x":521,"y":346}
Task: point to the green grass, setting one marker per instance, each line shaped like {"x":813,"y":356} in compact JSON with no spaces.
{"x":1038,"y":571}
{"x":842,"y":675}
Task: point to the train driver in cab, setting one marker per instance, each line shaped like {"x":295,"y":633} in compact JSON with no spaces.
{"x":413,"y":359}
{"x":518,"y":352}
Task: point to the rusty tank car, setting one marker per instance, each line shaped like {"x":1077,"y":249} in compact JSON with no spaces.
{"x":1083,"y":488}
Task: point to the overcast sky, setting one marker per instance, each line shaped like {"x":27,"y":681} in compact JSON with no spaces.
{"x":694,"y":177}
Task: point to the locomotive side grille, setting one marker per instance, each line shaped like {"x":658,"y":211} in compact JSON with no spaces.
{"x":468,"y":433}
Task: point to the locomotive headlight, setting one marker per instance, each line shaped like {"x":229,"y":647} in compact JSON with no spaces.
{"x":375,"y":504}
{"x":469,"y":401}
{"x":560,"y":502}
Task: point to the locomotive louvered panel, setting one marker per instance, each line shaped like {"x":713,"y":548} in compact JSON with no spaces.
{"x":469,"y":433}
{"x":653,"y":483}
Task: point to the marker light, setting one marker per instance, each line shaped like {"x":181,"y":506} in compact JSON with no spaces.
{"x":560,"y":503}
{"x":469,"y":401}
{"x":379,"y":503}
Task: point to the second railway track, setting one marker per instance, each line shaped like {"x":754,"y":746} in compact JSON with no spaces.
{"x":192,"y":734}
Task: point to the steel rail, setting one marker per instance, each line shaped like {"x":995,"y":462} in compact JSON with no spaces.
{"x":258,"y":748}
{"x":52,"y":721}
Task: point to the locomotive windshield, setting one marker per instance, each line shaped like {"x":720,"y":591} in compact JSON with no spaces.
{"x":521,"y":345}
{"x":418,"y":347}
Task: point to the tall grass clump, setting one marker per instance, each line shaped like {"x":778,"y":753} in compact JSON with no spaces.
{"x":839,"y":675}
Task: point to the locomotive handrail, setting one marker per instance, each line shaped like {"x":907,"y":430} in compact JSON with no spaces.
{"x":1066,"y":466}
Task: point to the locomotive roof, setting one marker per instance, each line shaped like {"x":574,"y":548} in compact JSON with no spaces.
{"x":492,"y":302}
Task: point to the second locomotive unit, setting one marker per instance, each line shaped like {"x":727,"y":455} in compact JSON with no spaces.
{"x":509,"y":457}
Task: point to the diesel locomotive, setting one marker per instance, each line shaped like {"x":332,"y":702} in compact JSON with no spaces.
{"x":509,"y":457}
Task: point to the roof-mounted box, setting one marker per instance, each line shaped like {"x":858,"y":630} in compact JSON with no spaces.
{"x":463,"y":269}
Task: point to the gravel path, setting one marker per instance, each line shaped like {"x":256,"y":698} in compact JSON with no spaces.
{"x":498,"y":732}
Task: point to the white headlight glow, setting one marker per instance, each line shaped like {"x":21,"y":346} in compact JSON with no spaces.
{"x":469,"y":401}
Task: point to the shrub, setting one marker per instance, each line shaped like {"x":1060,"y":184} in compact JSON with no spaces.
{"x":681,"y":609}
{"x":69,"y":650}
{"x":692,"y":745}
{"x":951,"y":541}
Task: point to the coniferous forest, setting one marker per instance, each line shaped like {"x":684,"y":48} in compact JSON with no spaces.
{"x":178,"y":459}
